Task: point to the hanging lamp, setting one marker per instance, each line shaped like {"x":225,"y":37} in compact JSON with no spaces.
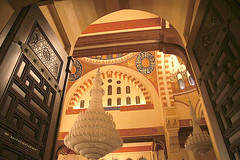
{"x":94,"y":133}
{"x":199,"y":141}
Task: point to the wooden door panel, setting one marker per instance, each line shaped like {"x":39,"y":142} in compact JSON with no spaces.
{"x":34,"y":71}
{"x":215,"y":55}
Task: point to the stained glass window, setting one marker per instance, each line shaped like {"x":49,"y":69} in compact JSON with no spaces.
{"x":41,"y":46}
{"x":190,"y":79}
{"x":180,"y":81}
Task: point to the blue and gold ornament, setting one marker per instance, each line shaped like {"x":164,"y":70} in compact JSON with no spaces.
{"x":145,"y":62}
{"x":76,"y":71}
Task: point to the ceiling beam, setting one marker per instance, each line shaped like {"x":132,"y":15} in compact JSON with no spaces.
{"x":166,"y":40}
{"x":19,"y":4}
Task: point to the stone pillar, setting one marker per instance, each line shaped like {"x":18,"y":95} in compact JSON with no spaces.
{"x":171,"y":134}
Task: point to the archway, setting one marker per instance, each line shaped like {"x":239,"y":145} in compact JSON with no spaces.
{"x":223,"y":35}
{"x":88,"y":44}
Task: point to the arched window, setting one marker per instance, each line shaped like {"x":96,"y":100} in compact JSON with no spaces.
{"x":190,"y":79}
{"x":137,"y":100}
{"x":128,"y":100}
{"x":109,"y":102}
{"x":180,"y":81}
{"x":127,"y":89}
{"x":118,"y":90}
{"x":119,"y":101}
{"x":129,"y":159}
{"x":109,"y":90}
{"x":142,"y":158}
{"x":82,"y":104}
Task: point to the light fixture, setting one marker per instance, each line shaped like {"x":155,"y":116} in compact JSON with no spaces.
{"x":199,"y":141}
{"x":94,"y":133}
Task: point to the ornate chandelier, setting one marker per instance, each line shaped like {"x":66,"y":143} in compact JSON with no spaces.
{"x":199,"y":141}
{"x":94,"y":133}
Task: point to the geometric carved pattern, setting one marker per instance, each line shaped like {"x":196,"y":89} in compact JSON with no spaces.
{"x":206,"y":35}
{"x":41,"y":46}
{"x":25,"y":113}
{"x":223,"y":85}
{"x":76,"y":71}
{"x":145,"y":63}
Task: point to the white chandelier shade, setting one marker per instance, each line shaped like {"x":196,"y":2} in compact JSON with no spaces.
{"x":94,"y":133}
{"x":199,"y":141}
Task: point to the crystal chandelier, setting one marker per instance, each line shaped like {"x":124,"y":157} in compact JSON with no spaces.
{"x":94,"y":133}
{"x":199,"y":141}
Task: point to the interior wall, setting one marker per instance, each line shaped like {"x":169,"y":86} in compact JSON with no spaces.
{"x":6,"y":12}
{"x":123,"y":119}
{"x":133,"y":93}
{"x":78,"y":15}
{"x":48,"y":16}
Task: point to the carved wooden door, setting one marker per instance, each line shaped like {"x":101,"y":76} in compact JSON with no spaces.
{"x":214,"y":51}
{"x":32,"y":73}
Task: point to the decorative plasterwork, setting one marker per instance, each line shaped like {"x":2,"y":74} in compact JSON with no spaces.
{"x":131,"y":63}
{"x":76,"y":96}
{"x":76,"y":71}
{"x":145,"y":63}
{"x":163,"y":75}
{"x":109,"y":59}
